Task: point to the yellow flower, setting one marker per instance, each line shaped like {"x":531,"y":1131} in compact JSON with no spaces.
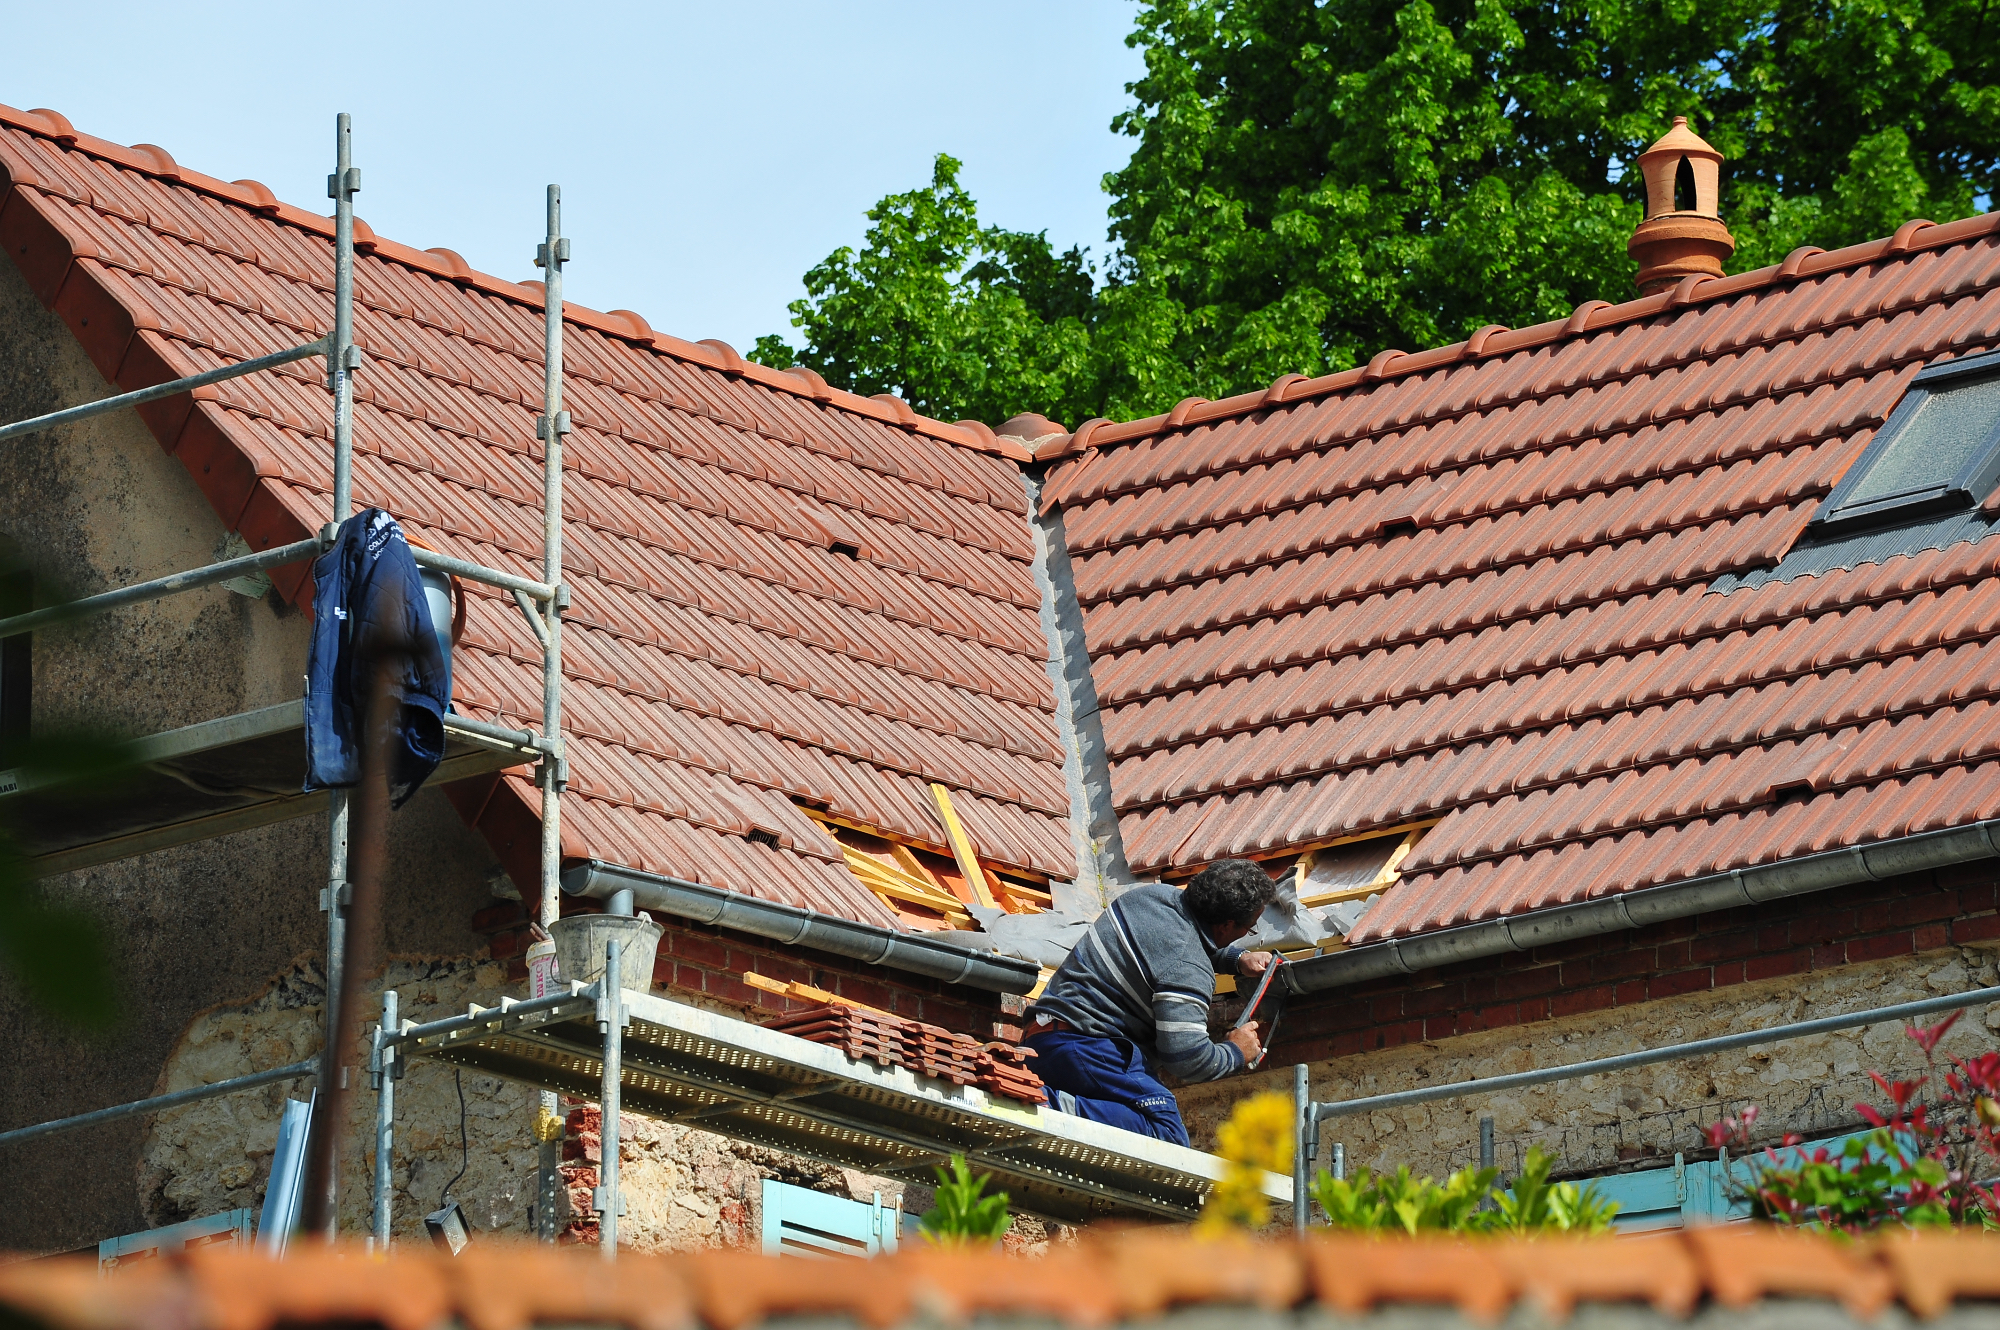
{"x":1258,"y":1137}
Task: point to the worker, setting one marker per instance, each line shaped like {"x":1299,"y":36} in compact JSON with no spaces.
{"x":1130,"y":1002}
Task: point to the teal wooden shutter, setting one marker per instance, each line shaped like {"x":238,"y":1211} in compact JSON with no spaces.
{"x":799,"y":1222}
{"x":231,"y":1228}
{"x":1697,"y":1193}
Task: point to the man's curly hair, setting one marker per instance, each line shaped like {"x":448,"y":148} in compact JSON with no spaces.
{"x":1230,"y":891}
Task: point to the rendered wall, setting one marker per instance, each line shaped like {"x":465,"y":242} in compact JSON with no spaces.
{"x":96,"y":505}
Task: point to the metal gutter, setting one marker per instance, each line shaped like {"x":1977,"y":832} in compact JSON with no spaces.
{"x":793,"y":926}
{"x":1651,"y":905}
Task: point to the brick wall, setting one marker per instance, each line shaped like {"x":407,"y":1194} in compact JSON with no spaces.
{"x":697,"y":961}
{"x":1869,"y":921}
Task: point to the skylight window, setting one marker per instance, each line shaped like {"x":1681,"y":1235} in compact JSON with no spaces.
{"x":1939,"y":450}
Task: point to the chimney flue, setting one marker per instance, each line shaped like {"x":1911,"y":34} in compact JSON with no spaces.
{"x":1675,"y":242}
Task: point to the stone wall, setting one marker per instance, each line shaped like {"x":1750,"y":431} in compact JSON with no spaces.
{"x":1641,"y":1117}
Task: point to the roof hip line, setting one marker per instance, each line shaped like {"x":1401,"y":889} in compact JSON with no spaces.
{"x":450,"y":267}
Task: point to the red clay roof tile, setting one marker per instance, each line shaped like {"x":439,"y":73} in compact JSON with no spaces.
{"x":713,"y":656}
{"x":1540,"y":662}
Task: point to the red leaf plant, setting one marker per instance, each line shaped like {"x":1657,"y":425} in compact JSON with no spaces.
{"x":1921,"y":1165}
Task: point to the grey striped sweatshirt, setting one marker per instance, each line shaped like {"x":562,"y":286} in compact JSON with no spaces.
{"x":1146,"y":972}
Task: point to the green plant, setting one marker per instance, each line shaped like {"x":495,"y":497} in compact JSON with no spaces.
{"x":1403,"y":1202}
{"x":1536,"y":1205}
{"x":1918,"y":1168}
{"x":964,"y":1215}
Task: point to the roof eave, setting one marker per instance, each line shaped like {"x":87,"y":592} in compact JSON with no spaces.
{"x":793,"y":926}
{"x":1756,"y":885}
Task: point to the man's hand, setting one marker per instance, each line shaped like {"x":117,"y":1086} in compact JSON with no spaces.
{"x":1253,"y":962}
{"x":1247,"y":1043}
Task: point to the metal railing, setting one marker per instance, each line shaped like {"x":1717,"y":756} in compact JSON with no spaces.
{"x":292,"y":1071}
{"x":1311,"y":1114}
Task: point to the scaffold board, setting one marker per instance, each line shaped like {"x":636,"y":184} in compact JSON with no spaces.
{"x":682,"y":1064}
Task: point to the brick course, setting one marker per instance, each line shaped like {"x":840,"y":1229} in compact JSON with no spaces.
{"x":1845,"y":926}
{"x":696,"y":960}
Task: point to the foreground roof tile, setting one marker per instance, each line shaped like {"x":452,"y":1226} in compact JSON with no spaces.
{"x":1109,"y":1277}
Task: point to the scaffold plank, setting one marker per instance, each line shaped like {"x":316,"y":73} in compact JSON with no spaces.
{"x":682,"y":1064}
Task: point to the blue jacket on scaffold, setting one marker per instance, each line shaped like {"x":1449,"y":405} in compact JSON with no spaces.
{"x":366,"y":592}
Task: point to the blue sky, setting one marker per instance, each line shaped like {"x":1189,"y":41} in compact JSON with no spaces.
{"x":709,"y":154}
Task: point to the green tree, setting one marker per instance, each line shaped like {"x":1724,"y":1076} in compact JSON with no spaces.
{"x":1315,"y":180}
{"x":957,"y":319}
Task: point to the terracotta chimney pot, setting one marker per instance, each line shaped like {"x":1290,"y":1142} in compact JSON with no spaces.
{"x":1675,"y":243}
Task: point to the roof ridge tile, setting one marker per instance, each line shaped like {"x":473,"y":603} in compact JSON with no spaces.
{"x":157,"y":162}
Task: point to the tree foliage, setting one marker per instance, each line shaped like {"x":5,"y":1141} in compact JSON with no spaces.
{"x":1314,"y":180}
{"x":57,"y":951}
{"x":957,"y":319}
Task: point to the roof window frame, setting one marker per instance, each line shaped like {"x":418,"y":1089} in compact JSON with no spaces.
{"x":1969,"y":488}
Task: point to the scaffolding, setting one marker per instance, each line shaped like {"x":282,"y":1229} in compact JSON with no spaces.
{"x":676,"y":1063}
{"x":681,"y":1064}
{"x":242,"y":771}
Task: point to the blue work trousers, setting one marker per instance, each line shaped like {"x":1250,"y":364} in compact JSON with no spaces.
{"x":1106,"y":1080}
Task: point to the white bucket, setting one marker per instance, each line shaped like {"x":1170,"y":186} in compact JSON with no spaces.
{"x":580,"y":943}
{"x":544,"y":975}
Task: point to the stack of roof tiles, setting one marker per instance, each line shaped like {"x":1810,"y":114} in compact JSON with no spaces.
{"x":1498,"y":584}
{"x":781,"y":591}
{"x":1126,"y":1278}
{"x":928,"y":1050}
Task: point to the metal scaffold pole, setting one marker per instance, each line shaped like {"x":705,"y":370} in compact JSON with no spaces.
{"x":609,"y":1202}
{"x":341,"y":187}
{"x":1301,"y":1150}
{"x":553,"y":773}
{"x":342,"y":359}
{"x":386,"y":1068}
